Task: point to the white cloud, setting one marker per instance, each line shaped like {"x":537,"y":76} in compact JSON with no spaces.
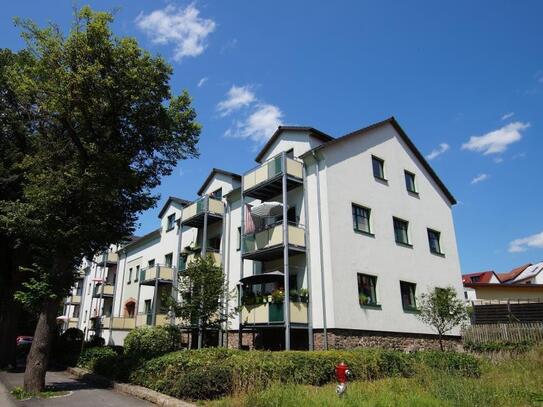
{"x":438,"y":151}
{"x":259,"y":125}
{"x":202,"y":81}
{"x":496,"y":141}
{"x":521,"y":245}
{"x":179,"y":26}
{"x":479,"y":178}
{"x":498,"y":160}
{"x":237,"y":97}
{"x":508,"y":115}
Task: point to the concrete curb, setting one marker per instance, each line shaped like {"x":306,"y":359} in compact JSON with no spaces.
{"x":137,"y":391}
{"x":5,"y":396}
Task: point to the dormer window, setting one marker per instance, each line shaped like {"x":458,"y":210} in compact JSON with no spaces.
{"x":217,"y":194}
{"x":170,"y":222}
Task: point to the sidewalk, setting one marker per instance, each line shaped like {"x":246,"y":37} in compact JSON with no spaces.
{"x":81,"y":394}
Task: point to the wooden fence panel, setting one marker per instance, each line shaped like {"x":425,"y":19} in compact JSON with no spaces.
{"x":513,"y":333}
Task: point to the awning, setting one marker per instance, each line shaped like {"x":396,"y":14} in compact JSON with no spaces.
{"x":267,"y":209}
{"x":62,"y":318}
{"x":272,"y":277}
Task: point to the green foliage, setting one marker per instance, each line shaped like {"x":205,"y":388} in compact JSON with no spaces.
{"x":519,"y":347}
{"x":451,"y":362}
{"x":67,"y":347}
{"x":442,"y":310}
{"x":149,"y":342}
{"x":102,"y":360}
{"x":194,"y":374}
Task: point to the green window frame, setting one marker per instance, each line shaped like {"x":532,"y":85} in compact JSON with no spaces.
{"x":367,"y":289}
{"x":434,"y":241}
{"x":410,"y":184}
{"x":401,"y":231}
{"x":378,"y":165}
{"x":408,"y":293}
{"x":361,"y":218}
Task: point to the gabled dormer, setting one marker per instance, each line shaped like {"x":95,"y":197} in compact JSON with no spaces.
{"x":296,"y":140}
{"x":219,"y":183}
{"x":171,"y":212}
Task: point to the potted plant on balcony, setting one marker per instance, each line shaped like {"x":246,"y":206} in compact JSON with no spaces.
{"x":278,"y":296}
{"x":304,"y":294}
{"x":294,"y":295}
{"x":249,"y":298}
{"x":363,"y":299}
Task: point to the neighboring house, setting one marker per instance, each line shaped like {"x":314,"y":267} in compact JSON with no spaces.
{"x":520,"y":284}
{"x":328,"y":242}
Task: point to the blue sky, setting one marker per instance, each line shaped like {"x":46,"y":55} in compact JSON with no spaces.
{"x":463,"y":78}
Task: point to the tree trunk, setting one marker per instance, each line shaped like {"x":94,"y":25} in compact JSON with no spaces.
{"x":441,"y":342}
{"x":38,"y":358}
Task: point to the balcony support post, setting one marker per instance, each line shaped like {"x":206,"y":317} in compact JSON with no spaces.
{"x":204,"y":251}
{"x":240,"y":287}
{"x":136,"y":312}
{"x":286,"y":301}
{"x":98,"y":331}
{"x":155,"y":295}
{"x":308,"y":264}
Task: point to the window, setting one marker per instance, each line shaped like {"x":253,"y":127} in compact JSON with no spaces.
{"x":291,"y":215}
{"x":137,"y":273}
{"x":410,"y":182}
{"x":168,"y":260}
{"x":89,"y":290}
{"x":214,"y":243}
{"x":129,"y":275}
{"x":366,"y":289}
{"x":378,"y":167}
{"x":239,"y":239}
{"x":171,"y":222}
{"x":408,"y":295}
{"x":433,"y":240}
{"x":400,"y":231}
{"x":361,"y":219}
{"x":217,"y":194}
{"x":147,"y":307}
{"x":151,"y":264}
{"x":476,"y":279}
{"x":76,"y":311}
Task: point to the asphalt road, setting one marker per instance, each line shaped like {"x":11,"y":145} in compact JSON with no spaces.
{"x":81,"y":394}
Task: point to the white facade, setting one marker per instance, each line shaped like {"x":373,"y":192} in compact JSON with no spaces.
{"x":336,"y":174}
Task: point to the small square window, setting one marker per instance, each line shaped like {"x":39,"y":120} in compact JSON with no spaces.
{"x":171,"y":222}
{"x":151,"y":263}
{"x":378,"y":167}
{"x":137,"y":273}
{"x":168,"y":260}
{"x":361,"y":219}
{"x":217,"y":194}
{"x":434,"y":238}
{"x":239,"y":239}
{"x":410,"y":182}
{"x":401,"y":231}
{"x":366,"y":289}
{"x":408,"y":292}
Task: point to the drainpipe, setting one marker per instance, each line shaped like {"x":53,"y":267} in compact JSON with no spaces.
{"x":101,"y":301}
{"x":286,"y":301}
{"x":155,"y":295}
{"x":324,"y":328}
{"x":223,"y":257}
{"x":308,"y":264}
{"x":240,"y":287}
{"x":226,"y":262}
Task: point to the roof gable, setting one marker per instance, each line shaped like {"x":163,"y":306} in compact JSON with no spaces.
{"x":312,"y":132}
{"x":180,"y":201}
{"x":215,"y":171}
{"x":390,"y":121}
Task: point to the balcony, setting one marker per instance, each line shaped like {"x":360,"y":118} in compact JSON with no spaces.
{"x":265,"y":182}
{"x":194,"y":214}
{"x":164,"y":275}
{"x":267,"y":244}
{"x":73,"y":299}
{"x":119,"y":323}
{"x":192,"y":257}
{"x":144,"y":319}
{"x":103,"y":290}
{"x":272,"y":313}
{"x":112,"y":257}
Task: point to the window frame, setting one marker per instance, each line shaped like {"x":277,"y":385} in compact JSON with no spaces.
{"x":414,"y":178}
{"x":138,"y":270}
{"x":130,"y":270}
{"x":170,"y":222}
{"x":408,"y":239}
{"x":381,"y":162}
{"x":440,"y":248}
{"x":409,"y":285}
{"x":373,"y":290}
{"x":238,"y":248}
{"x":354,"y":207}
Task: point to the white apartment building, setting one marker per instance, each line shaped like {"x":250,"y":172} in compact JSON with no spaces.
{"x":327,"y":241}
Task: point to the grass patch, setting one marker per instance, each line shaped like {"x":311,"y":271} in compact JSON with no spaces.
{"x":509,"y":381}
{"x":20,"y":394}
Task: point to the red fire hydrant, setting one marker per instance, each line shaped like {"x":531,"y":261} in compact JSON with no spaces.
{"x":342,"y":375}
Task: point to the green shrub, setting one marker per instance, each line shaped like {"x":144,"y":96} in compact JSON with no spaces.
{"x":102,"y":360}
{"x":519,"y":347}
{"x":149,"y":342}
{"x":67,"y":347}
{"x":463,"y":364}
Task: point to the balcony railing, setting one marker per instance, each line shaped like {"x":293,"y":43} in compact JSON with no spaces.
{"x":272,"y":313}
{"x":74,"y":299}
{"x":162,"y":273}
{"x":104,"y":290}
{"x":112,"y":257}
{"x":144,"y":319}
{"x":72,"y":323}
{"x":119,"y":323}
{"x":272,"y":237}
{"x":183,"y":264}
{"x":269,"y":175}
{"x":193,"y":214}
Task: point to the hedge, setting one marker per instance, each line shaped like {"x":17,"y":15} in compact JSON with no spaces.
{"x":149,"y":342}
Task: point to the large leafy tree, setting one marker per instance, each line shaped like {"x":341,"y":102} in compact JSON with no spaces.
{"x":103,"y":129}
{"x":442,"y":310}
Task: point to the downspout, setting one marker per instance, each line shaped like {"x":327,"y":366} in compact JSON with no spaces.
{"x":308,"y":264}
{"x":227,"y":264}
{"x":324,"y":327}
{"x":101,"y":300}
{"x":223,"y":257}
